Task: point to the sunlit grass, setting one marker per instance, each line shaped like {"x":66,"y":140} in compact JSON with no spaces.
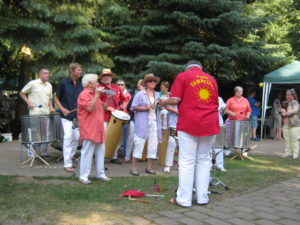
{"x":63,"y":200}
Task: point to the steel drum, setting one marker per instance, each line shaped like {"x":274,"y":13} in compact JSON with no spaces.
{"x":221,"y":140}
{"x":37,"y":129}
{"x":58,"y":132}
{"x":239,"y":134}
{"x":114,"y":131}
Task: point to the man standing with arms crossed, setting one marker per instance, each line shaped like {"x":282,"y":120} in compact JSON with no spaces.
{"x":38,"y":96}
{"x":196,"y":94}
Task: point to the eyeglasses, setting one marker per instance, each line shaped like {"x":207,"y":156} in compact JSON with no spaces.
{"x":106,"y":75}
{"x":150,"y":81}
{"x":120,"y":84}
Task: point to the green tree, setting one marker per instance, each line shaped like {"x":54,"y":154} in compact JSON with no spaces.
{"x":217,"y":32}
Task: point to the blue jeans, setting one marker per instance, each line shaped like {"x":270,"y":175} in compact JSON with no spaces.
{"x":124,"y":138}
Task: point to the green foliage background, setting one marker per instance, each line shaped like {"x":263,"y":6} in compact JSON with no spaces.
{"x":237,"y":40}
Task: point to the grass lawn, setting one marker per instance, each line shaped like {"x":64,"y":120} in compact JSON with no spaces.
{"x":59,"y":200}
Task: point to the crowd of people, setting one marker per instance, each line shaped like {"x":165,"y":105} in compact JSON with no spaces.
{"x":193,"y":109}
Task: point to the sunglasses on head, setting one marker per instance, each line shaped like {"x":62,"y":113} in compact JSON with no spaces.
{"x":150,"y":81}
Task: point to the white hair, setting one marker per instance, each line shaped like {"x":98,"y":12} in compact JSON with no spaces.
{"x":87,"y":78}
{"x":237,"y":88}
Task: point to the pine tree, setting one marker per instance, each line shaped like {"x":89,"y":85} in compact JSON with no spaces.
{"x":216,"y":32}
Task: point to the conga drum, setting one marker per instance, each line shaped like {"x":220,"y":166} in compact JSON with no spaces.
{"x":162,"y":147}
{"x":114,"y":131}
{"x":144,"y":157}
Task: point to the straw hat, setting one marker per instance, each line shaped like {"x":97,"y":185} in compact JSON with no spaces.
{"x":107,"y":71}
{"x":150,"y":76}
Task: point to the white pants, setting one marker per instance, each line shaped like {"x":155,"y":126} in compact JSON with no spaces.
{"x":170,"y":151}
{"x":152,"y":142}
{"x":194,"y":168}
{"x":86,"y":158}
{"x":130,"y":141}
{"x":71,"y":138}
{"x":219,"y":158}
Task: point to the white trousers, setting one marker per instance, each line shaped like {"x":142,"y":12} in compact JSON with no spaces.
{"x":86,"y":158}
{"x":170,"y":151}
{"x":130,"y":141}
{"x":71,"y":138}
{"x":219,"y":158}
{"x":152,"y":142}
{"x":194,"y":168}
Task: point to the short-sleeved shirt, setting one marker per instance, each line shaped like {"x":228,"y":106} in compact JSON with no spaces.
{"x":91,"y":124}
{"x":240,"y":108}
{"x":198,"y":109}
{"x":255,"y":109}
{"x":276,"y":106}
{"x":67,"y":93}
{"x":39,"y":93}
{"x":117,"y":100}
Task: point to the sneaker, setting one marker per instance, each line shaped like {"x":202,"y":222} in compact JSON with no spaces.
{"x":116,"y":161}
{"x":85,"y":181}
{"x":103,"y":178}
{"x":255,"y":139}
{"x":167,"y":169}
{"x":222,"y":169}
{"x":295,"y":157}
{"x":285,"y":155}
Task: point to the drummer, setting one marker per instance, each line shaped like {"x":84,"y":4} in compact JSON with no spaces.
{"x":119,"y":101}
{"x":237,"y":107}
{"x":91,"y":127}
{"x":66,"y":99}
{"x":146,"y":124}
{"x":37,"y":94}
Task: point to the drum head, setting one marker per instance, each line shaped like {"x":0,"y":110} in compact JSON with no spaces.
{"x":120,"y":115}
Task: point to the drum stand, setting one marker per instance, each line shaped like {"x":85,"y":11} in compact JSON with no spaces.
{"x":240,"y":152}
{"x":214,"y":181}
{"x":33,"y":154}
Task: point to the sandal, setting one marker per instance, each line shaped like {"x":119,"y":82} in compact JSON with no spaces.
{"x":134,"y":173}
{"x":151,"y":171}
{"x":69,"y":169}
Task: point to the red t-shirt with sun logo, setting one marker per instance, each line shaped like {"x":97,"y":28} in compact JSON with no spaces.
{"x":198,"y":109}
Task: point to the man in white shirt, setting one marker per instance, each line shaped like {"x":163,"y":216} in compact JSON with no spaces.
{"x":37,"y":94}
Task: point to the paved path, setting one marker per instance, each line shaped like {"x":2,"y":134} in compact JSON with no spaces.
{"x":278,"y":204}
{"x":10,"y":163}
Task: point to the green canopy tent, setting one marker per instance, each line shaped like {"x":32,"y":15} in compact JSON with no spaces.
{"x":288,"y":74}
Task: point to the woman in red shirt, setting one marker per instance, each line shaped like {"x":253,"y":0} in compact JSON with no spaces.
{"x":90,"y":113}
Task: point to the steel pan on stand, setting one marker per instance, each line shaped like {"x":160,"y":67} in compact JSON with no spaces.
{"x":221,"y":140}
{"x":239,"y":138}
{"x":36,"y":129}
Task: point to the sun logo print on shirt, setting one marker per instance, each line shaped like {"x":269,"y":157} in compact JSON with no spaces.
{"x":204,"y":94}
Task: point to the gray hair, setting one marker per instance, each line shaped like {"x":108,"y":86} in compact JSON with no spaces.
{"x":237,"y":88}
{"x":193,"y":63}
{"x":87,"y":78}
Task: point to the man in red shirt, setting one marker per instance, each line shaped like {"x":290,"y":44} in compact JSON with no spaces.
{"x":118,"y":102}
{"x":196,"y":94}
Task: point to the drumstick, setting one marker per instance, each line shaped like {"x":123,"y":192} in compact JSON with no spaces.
{"x":74,"y":110}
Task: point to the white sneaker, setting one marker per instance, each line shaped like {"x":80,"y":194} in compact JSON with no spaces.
{"x":295,"y":157}
{"x":222,"y":169}
{"x":103,"y":178}
{"x":85,"y":181}
{"x":285,"y":155}
{"x":167,"y":169}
